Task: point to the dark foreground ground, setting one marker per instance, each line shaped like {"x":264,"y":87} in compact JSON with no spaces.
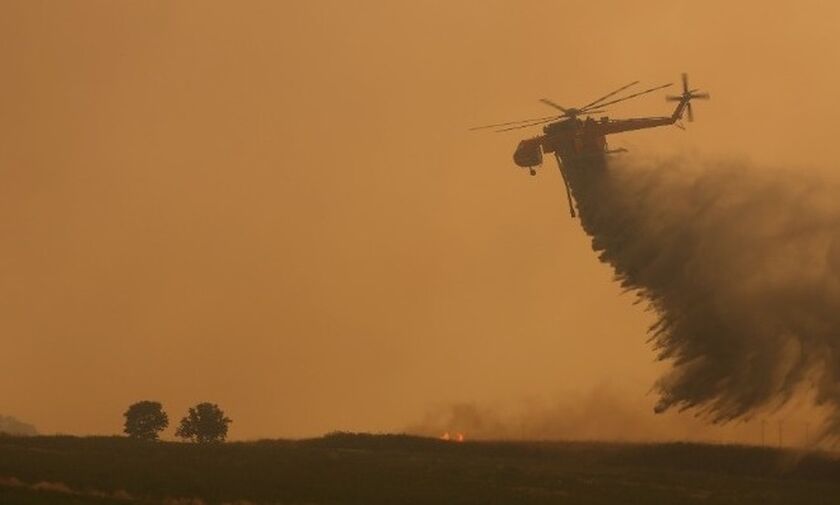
{"x":389,"y":469}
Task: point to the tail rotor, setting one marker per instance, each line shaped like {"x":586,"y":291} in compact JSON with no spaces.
{"x":687,"y":96}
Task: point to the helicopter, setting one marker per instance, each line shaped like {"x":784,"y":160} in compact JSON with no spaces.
{"x":573,"y":140}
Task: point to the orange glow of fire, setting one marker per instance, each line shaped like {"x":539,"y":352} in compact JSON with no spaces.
{"x":458,"y":437}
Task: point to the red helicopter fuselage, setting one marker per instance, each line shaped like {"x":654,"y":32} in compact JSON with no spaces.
{"x":573,"y":138}
{"x":577,"y":143}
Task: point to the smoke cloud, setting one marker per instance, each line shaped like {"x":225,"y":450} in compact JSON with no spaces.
{"x":605,"y":413}
{"x":11,"y":426}
{"x":742,"y":268}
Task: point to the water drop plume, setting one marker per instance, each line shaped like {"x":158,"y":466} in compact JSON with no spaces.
{"x":742,"y":268}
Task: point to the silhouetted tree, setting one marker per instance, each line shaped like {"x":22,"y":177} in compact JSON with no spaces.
{"x":145,"y":420}
{"x":204,"y":423}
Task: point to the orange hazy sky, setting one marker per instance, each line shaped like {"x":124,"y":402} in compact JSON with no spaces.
{"x":277,"y":206}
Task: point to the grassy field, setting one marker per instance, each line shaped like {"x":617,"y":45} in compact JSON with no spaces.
{"x":391,"y":469}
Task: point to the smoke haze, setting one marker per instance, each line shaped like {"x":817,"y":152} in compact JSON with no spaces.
{"x":605,"y":413}
{"x":741,"y":268}
{"x":277,"y":206}
{"x":613,"y":413}
{"x":12,"y":426}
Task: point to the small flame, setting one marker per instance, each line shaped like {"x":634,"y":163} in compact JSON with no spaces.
{"x":457,"y":437}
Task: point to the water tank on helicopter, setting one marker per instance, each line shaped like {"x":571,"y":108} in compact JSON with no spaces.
{"x":528,"y":153}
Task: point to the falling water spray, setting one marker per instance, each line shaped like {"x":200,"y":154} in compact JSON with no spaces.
{"x":742,"y":269}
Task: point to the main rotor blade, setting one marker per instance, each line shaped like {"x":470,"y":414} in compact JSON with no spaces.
{"x":619,"y":90}
{"x":513,"y":122}
{"x":701,"y":96}
{"x":690,"y":113}
{"x":552,"y":104}
{"x":524,"y":126}
{"x":634,"y":95}
{"x":685,"y":82}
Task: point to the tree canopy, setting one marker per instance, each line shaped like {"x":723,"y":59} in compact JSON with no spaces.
{"x":145,"y":420}
{"x":204,"y":423}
